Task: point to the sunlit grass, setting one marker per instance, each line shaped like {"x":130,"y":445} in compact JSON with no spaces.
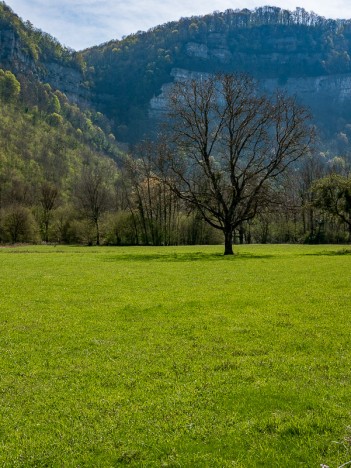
{"x":175,"y":356}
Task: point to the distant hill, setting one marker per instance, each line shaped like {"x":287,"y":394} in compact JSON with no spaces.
{"x":303,"y":52}
{"x":127,"y":80}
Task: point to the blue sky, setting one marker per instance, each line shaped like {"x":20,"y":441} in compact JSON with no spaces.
{"x":82,"y":23}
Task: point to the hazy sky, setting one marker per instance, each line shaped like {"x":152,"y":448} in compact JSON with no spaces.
{"x":83,"y":23}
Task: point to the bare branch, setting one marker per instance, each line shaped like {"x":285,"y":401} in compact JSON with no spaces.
{"x":227,"y":143}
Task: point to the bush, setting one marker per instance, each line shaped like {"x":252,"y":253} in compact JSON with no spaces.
{"x":18,"y":225}
{"x":120,"y":229}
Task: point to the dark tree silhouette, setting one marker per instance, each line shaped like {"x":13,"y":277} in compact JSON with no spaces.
{"x":332,"y":194}
{"x":227,"y":143}
{"x":93,"y":193}
{"x":48,"y":201}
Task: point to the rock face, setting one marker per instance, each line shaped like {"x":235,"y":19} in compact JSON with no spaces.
{"x":271,"y":59}
{"x":320,"y":93}
{"x":216,"y":48}
{"x":335,"y":87}
{"x":15,"y":57}
{"x":197,"y":50}
{"x":68,"y":80}
{"x":12,"y":55}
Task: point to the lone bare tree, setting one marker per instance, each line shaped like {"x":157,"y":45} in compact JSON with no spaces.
{"x":228,"y":143}
{"x":48,"y":200}
{"x":93,"y":192}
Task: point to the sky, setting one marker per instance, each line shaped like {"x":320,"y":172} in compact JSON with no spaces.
{"x":79,"y":24}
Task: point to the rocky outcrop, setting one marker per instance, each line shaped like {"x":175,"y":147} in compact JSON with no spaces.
{"x":335,"y":87}
{"x":15,"y":57}
{"x":319,"y":93}
{"x":216,"y":48}
{"x":194,"y":49}
{"x":12,"y":55}
{"x":68,"y":80}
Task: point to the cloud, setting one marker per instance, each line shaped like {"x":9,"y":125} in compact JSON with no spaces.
{"x":83,"y":23}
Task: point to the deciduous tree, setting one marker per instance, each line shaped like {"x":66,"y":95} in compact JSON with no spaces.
{"x":228,"y":143}
{"x":94,"y":192}
{"x":48,"y":201}
{"x":332,"y":194}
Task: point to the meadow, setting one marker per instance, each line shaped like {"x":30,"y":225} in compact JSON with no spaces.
{"x":175,"y":356}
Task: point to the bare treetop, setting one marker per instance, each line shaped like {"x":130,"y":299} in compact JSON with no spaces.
{"x":228,"y":143}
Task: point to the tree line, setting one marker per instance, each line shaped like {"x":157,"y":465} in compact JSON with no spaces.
{"x":132,"y":206}
{"x":231,"y":165}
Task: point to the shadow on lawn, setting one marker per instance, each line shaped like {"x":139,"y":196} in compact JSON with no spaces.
{"x":183,"y":257}
{"x":330,"y":253}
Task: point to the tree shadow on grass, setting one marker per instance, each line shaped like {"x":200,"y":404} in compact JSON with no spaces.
{"x":183,"y":257}
{"x":330,"y":253}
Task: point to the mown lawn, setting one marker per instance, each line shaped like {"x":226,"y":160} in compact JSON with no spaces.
{"x":175,"y":356}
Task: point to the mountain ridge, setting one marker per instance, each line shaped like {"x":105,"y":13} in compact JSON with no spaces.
{"x":122,"y":79}
{"x":267,"y":43}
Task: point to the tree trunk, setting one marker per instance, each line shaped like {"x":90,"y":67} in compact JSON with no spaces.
{"x":228,"y":242}
{"x":241,"y":234}
{"x":97,"y":232}
{"x":46,"y":230}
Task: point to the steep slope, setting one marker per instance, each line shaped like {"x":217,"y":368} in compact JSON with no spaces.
{"x":127,"y":80}
{"x":29,"y":52}
{"x":279,"y":47}
{"x":49,"y":136}
{"x":51,"y":80}
{"x":41,"y":131}
{"x":50,"y":154}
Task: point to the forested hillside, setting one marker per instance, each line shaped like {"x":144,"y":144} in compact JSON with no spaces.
{"x":52,"y":144}
{"x":35,"y":55}
{"x":48,"y":147}
{"x":29,"y":42}
{"x":305,"y":54}
{"x":64,"y":176}
{"x":267,"y":43}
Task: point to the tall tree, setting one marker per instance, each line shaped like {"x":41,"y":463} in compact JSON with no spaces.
{"x":48,"y":201}
{"x":9,"y":86}
{"x":94,"y":192}
{"x":228,"y":144}
{"x":157,"y":205}
{"x":332,"y":194}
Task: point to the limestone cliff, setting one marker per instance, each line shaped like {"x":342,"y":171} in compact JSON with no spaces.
{"x":16,"y":56}
{"x":324,"y":95}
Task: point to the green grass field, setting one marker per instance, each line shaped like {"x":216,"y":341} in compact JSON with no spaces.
{"x":175,"y":356}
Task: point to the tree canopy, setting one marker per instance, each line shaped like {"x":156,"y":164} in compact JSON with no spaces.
{"x":332,"y":194}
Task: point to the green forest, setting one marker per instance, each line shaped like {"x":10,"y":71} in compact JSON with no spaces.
{"x":77,"y":160}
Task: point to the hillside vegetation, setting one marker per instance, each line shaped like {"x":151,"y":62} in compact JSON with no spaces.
{"x":46,"y":144}
{"x":268,"y":42}
{"x":64,"y":177}
{"x":120,"y":77}
{"x":38,"y":45}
